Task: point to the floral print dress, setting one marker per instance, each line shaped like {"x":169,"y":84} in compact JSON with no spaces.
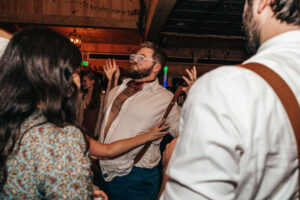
{"x":50,"y":163}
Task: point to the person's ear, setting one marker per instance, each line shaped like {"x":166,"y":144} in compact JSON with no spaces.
{"x":156,"y":67}
{"x":262,"y":5}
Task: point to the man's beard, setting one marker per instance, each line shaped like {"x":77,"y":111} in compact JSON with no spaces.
{"x":251,"y":29}
{"x":139,"y":73}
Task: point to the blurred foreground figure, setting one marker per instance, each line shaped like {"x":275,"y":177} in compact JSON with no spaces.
{"x":236,"y":141}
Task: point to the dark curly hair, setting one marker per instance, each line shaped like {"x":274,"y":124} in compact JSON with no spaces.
{"x":35,"y":69}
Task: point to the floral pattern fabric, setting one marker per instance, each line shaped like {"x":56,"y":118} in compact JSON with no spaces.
{"x":50,"y":163}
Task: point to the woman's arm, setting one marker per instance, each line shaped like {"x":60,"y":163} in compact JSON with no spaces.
{"x":122,"y":146}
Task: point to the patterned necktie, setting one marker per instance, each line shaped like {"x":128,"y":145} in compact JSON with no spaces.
{"x":135,"y":84}
{"x":132,"y":88}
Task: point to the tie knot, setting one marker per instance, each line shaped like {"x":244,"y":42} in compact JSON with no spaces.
{"x":136,"y":85}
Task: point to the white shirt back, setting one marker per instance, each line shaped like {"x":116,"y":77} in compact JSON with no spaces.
{"x":236,"y":141}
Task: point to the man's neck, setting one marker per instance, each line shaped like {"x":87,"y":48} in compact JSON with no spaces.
{"x":271,"y":27}
{"x":149,"y":78}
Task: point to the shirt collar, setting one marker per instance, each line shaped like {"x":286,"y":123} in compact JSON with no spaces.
{"x":284,"y":39}
{"x":148,"y":86}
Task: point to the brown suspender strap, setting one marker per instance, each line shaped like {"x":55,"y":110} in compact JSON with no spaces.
{"x":169,"y":108}
{"x":285,"y":95}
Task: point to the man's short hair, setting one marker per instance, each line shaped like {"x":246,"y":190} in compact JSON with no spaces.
{"x":285,"y":10}
{"x":158,"y":54}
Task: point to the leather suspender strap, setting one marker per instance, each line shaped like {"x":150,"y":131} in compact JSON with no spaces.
{"x":285,"y":95}
{"x":169,"y":108}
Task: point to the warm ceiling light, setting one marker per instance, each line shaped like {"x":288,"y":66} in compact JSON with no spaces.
{"x":75,"y":38}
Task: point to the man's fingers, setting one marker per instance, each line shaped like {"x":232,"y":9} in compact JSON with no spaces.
{"x":190,"y":74}
{"x":107,"y":65}
{"x":187,"y":80}
{"x":164,"y":128}
{"x":114,"y":64}
{"x":194,"y":72}
{"x":161,"y":122}
{"x":164,"y":132}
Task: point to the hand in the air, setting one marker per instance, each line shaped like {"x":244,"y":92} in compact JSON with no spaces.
{"x":191,"y":79}
{"x":109,"y":68}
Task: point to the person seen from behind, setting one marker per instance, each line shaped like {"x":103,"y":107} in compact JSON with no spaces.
{"x":236,"y":140}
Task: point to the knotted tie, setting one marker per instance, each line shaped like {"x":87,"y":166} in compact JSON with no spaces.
{"x":132,"y":88}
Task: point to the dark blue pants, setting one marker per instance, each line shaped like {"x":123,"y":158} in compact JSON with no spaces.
{"x":139,"y":184}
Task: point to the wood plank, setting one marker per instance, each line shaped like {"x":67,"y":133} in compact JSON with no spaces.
{"x":133,"y":9}
{"x":159,"y":11}
{"x":107,"y":8}
{"x":50,"y":7}
{"x":38,"y":7}
{"x":108,"y":48}
{"x":25,"y":6}
{"x":63,"y":8}
{"x":116,"y":9}
{"x":10,"y":6}
{"x":92,"y":10}
{"x":69,"y":20}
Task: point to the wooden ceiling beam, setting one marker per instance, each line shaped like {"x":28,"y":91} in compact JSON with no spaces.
{"x":158,"y":12}
{"x":205,"y":21}
{"x":217,"y":1}
{"x":203,"y":35}
{"x":77,"y":21}
{"x":191,"y":11}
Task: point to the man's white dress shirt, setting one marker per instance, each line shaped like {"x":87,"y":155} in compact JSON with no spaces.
{"x":139,"y":114}
{"x":236,"y":141}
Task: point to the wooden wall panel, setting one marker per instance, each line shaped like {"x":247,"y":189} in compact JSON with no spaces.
{"x":108,"y":48}
{"x":93,"y":13}
{"x":25,"y":6}
{"x":133,"y":10}
{"x":10,"y":6}
{"x":38,"y":7}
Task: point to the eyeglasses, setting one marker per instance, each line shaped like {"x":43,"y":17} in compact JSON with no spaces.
{"x":139,"y":58}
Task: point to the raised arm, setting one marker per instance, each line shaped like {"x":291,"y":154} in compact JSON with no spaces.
{"x":122,"y":146}
{"x":117,"y":73}
{"x":109,"y":70}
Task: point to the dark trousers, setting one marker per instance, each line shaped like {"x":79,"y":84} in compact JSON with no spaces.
{"x":139,"y":184}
